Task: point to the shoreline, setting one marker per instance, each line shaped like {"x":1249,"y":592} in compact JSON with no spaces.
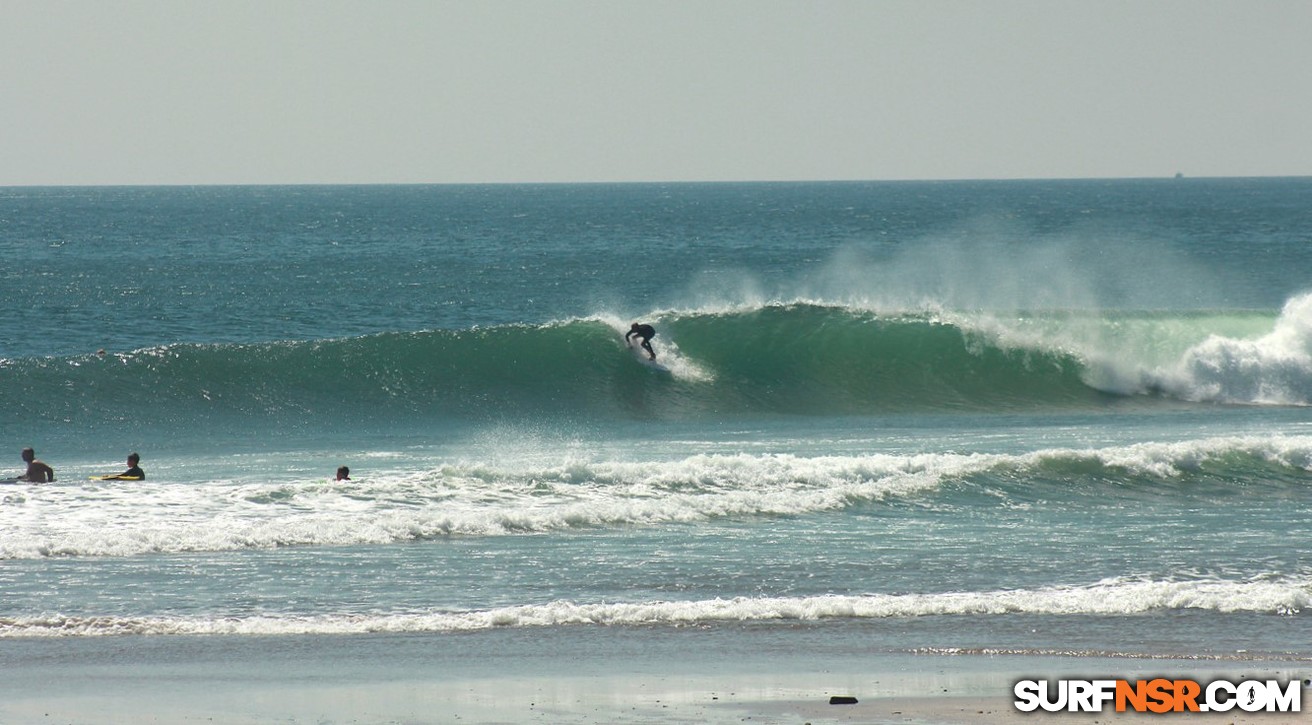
{"x":566,"y":675}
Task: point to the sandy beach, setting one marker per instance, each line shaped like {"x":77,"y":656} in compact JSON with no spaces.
{"x":579,"y":675}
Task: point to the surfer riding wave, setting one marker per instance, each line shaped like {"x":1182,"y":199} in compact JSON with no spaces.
{"x":644,"y":333}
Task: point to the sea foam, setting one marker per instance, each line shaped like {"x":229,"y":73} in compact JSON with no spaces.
{"x":1118,"y":597}
{"x":568,"y":491}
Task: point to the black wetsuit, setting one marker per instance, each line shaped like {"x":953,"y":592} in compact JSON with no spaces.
{"x":645,"y":333}
{"x":131,"y":473}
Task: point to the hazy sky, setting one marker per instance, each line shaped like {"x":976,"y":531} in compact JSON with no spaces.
{"x":323,"y":91}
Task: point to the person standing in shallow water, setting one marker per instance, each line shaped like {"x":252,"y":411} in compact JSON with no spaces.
{"x":343,"y":473}
{"x":644,"y":333}
{"x":37,"y":472}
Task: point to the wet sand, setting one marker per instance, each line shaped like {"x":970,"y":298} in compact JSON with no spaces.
{"x":578,"y":675}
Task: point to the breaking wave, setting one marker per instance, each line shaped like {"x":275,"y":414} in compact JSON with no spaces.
{"x":789,"y":358}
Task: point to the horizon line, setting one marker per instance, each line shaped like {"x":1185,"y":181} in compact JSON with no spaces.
{"x":1176,"y":176}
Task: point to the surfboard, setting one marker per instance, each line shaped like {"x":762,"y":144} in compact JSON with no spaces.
{"x":114,"y":477}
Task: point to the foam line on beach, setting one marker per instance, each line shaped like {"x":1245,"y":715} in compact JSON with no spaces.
{"x":1120,"y":597}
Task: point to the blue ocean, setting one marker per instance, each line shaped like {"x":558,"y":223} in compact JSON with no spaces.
{"x":966,"y":419}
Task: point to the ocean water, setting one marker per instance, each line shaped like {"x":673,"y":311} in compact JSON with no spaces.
{"x":963,"y":418}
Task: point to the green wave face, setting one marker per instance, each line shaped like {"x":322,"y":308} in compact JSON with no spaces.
{"x":783,"y":359}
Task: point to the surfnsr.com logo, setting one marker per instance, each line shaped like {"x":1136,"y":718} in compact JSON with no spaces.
{"x":1158,"y":695}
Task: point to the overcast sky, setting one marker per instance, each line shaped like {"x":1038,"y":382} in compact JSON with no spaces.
{"x":383,"y":91}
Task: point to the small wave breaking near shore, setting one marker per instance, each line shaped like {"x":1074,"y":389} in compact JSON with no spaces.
{"x":1102,"y":598}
